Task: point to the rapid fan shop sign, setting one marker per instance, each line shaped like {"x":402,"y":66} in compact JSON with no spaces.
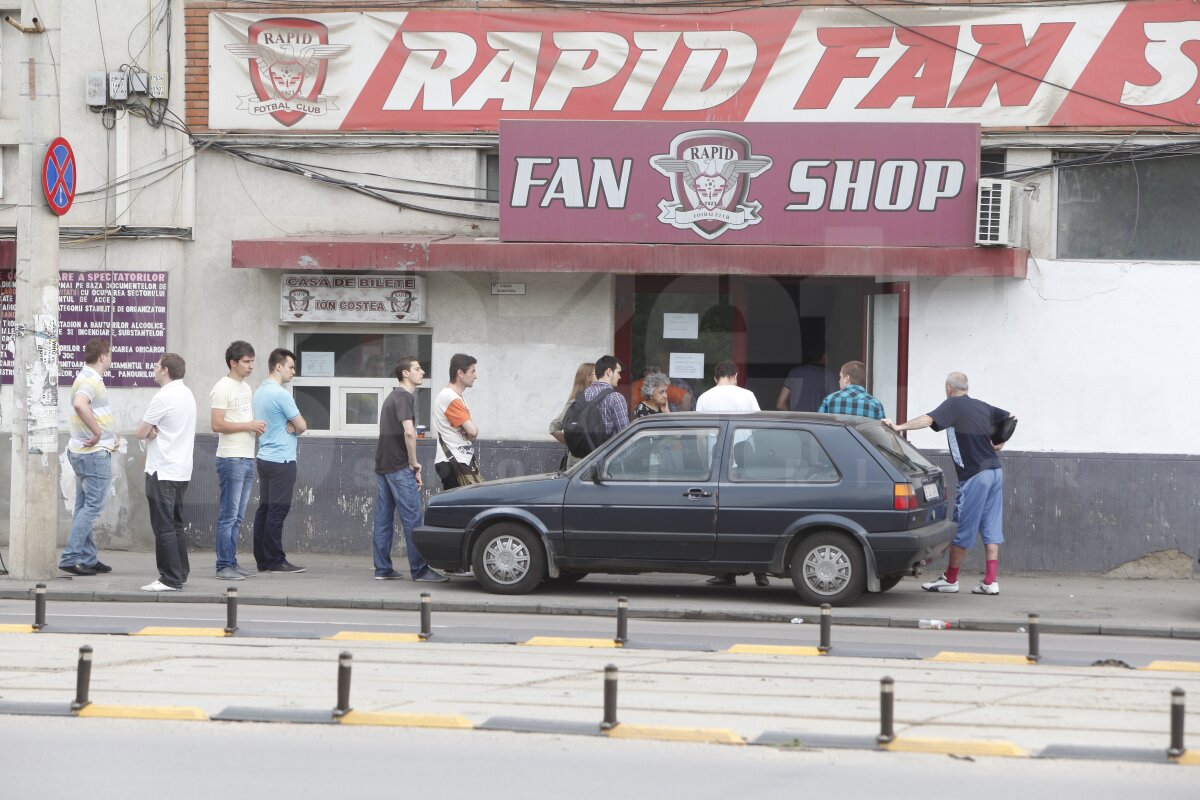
{"x":1109,"y":64}
{"x":815,"y":184}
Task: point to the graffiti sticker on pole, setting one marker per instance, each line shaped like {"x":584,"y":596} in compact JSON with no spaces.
{"x":58,"y":176}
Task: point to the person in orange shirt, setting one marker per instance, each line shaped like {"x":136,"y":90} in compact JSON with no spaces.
{"x":456,"y":461}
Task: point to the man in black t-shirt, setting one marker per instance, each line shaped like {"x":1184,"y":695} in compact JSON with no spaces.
{"x":398,"y":477}
{"x":979,"y":499}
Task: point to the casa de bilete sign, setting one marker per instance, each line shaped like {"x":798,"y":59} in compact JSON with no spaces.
{"x":1037,"y":65}
{"x":352,"y":297}
{"x":769,"y":183}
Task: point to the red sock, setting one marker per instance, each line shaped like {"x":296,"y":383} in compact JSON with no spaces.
{"x":992,"y":567}
{"x":952,"y":574}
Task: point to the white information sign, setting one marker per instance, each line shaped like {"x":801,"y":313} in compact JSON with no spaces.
{"x":352,"y":297}
{"x":687,"y":365}
{"x":317,"y":364}
{"x":681,"y":326}
{"x":508,"y":288}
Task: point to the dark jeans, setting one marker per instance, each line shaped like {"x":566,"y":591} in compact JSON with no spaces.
{"x":170,"y":539}
{"x":275,"y":485}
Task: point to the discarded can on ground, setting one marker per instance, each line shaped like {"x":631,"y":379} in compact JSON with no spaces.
{"x":934,"y":624}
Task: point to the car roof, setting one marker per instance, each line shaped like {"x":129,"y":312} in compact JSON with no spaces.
{"x":808,"y":418}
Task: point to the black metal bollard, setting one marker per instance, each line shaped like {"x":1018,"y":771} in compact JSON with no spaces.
{"x":83,"y":678}
{"x":1034,"y":654}
{"x":622,"y":620}
{"x":826,"y":625}
{"x":1177,"y":708}
{"x":610,"y":698}
{"x":426,"y":617}
{"x":887,"y":720}
{"x":231,"y":625}
{"x":343,"y":693}
{"x":39,"y":606}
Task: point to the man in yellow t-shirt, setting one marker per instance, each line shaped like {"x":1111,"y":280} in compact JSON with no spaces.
{"x":93,"y":440}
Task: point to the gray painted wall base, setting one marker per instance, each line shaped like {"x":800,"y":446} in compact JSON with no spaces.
{"x":1064,"y":512}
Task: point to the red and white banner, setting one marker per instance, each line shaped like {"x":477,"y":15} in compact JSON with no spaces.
{"x":1114,"y":64}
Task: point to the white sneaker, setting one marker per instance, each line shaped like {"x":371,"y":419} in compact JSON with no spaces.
{"x":158,"y":586}
{"x":987,"y":588}
{"x":941,"y":585}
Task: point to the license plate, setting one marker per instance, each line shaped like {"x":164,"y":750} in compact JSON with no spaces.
{"x":931,"y":491}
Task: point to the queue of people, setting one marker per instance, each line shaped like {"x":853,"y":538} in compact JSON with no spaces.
{"x":257,"y":433}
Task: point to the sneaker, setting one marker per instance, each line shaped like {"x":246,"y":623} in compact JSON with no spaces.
{"x":941,"y":585}
{"x":230,"y":574}
{"x":722,"y":580}
{"x":760,"y":579}
{"x":987,"y":588}
{"x":77,"y":569}
{"x":99,"y":566}
{"x":460,"y":573}
{"x":287,"y":566}
{"x":390,"y":575}
{"x":245,"y":572}
{"x":431,"y":576}
{"x":158,"y":586}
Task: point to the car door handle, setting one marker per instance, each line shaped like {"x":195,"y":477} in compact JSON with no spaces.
{"x":696,"y":494}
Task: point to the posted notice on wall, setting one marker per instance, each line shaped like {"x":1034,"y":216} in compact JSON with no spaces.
{"x":681,"y":326}
{"x":686,"y":365}
{"x":129,"y":309}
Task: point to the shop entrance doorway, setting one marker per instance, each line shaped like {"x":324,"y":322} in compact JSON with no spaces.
{"x":771,"y":327}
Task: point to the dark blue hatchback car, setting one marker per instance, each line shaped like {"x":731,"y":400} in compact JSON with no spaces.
{"x":840,"y":504}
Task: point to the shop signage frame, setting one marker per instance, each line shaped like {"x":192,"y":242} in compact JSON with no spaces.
{"x":352,"y":297}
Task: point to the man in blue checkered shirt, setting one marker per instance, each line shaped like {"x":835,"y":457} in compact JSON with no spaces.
{"x":852,"y":398}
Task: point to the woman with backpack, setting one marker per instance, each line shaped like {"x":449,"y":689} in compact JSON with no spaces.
{"x":585,"y":376}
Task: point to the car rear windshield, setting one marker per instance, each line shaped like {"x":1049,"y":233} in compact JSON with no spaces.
{"x":895,"y":449}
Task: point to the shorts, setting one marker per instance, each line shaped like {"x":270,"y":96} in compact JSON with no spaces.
{"x":979,"y":509}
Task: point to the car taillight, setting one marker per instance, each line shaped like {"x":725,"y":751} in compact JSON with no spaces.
{"x":905,"y":497}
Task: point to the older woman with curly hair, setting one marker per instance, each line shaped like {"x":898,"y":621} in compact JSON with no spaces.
{"x":654,"y":396}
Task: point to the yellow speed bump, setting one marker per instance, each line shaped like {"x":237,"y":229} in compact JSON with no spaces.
{"x":373,"y":636}
{"x":1190,"y":759}
{"x":955,"y":747}
{"x":387,"y":719}
{"x":143,"y":712}
{"x":159,"y":631}
{"x":670,"y":734}
{"x":16,"y":629}
{"x":569,"y":641}
{"x":774,"y":650}
{"x":1174,"y":666}
{"x":952,"y":657}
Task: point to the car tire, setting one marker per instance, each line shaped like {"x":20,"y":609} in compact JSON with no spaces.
{"x":567,"y":578}
{"x":889,"y":582}
{"x":508,"y":559}
{"x":829,"y":567}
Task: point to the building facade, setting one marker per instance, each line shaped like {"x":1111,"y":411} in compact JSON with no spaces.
{"x":358,"y":181}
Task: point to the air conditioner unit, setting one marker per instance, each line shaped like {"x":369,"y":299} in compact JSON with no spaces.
{"x":996,"y":218}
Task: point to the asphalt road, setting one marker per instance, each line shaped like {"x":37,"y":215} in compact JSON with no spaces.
{"x":126,"y":759}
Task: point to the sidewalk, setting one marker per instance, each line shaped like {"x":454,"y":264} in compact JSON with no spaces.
{"x":1086,"y":604}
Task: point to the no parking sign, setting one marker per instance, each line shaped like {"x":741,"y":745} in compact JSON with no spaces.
{"x":58,"y":176}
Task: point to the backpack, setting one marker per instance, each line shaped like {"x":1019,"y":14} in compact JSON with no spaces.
{"x":583,"y":424}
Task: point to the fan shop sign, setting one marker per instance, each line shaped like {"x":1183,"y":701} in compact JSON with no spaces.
{"x":1037,"y":65}
{"x":811,"y":184}
{"x":344,"y":297}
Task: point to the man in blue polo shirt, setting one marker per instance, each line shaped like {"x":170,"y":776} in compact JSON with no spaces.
{"x":979,"y":498}
{"x":276,"y":461}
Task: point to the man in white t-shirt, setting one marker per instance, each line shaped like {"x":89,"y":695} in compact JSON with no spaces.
{"x":456,"y":462}
{"x":729,"y":398}
{"x":232,"y":419}
{"x":169,"y":430}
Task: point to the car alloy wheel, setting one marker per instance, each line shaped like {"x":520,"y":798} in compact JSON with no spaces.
{"x":828,"y":567}
{"x":827,"y":570}
{"x":508,"y":559}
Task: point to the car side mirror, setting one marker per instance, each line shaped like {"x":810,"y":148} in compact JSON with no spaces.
{"x":592,"y":474}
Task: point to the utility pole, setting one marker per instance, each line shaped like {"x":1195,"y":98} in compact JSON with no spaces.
{"x":33,"y":514}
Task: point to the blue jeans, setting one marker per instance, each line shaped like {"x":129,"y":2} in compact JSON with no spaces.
{"x":276,"y":482}
{"x":93,"y":472}
{"x":235,"y":479}
{"x":396,"y":493}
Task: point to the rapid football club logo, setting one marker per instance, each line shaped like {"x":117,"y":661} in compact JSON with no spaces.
{"x":710,"y":174}
{"x":289,"y":60}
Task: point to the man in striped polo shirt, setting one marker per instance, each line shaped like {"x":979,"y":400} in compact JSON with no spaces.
{"x":851,"y":398}
{"x":93,"y":440}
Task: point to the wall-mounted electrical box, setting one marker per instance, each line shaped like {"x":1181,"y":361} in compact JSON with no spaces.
{"x":118,"y":86}
{"x":95,"y":90}
{"x":137,"y":82}
{"x":158,"y":86}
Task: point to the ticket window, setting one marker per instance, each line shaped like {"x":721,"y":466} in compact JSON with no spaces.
{"x":342,"y":377}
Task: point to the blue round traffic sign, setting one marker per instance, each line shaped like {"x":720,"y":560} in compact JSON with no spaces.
{"x":58,"y":176}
